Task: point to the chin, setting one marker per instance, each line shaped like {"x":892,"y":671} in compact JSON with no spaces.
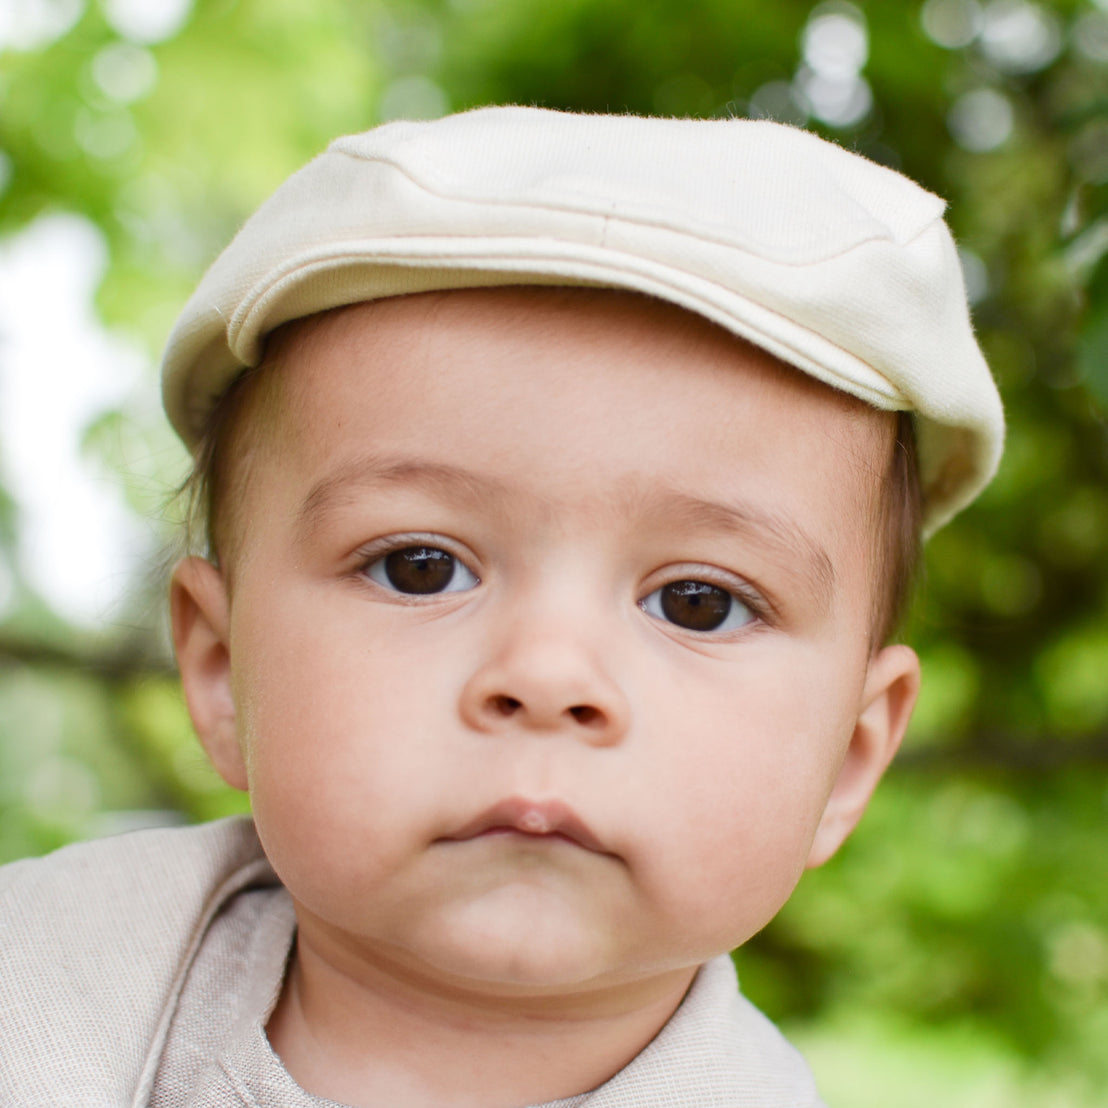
{"x":515,"y":949}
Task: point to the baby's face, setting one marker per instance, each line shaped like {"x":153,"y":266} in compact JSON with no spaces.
{"x":547,"y":656}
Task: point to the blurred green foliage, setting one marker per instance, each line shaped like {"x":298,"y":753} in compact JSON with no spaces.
{"x":957,"y":950}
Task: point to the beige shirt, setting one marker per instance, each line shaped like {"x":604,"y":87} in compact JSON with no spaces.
{"x":139,"y":972}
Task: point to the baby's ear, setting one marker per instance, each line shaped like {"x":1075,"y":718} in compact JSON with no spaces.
{"x":889,"y":695}
{"x":199,"y":609}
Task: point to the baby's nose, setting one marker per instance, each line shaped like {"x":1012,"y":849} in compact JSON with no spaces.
{"x":546,"y":683}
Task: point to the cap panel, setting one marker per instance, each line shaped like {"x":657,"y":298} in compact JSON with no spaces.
{"x":800,"y":199}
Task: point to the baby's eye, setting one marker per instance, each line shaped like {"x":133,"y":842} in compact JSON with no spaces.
{"x":697,"y":606}
{"x":420,"y":570}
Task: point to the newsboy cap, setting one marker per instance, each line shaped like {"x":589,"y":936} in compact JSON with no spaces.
{"x":837,"y":265}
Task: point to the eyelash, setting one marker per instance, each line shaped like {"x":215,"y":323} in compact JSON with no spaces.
{"x":373,"y":565}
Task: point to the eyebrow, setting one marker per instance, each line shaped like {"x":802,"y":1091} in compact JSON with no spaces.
{"x":682,"y":510}
{"x":372,"y":471}
{"x":767,"y":527}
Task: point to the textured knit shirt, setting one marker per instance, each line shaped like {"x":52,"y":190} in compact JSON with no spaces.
{"x":140,"y":971}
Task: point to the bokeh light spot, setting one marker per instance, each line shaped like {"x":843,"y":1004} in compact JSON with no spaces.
{"x":841,"y":103}
{"x":147,"y":21}
{"x":835,"y":43}
{"x":1089,"y":35}
{"x":953,"y":24}
{"x":981,"y":120}
{"x":835,"y":47}
{"x":1019,"y":37}
{"x":124,"y":72}
{"x":34,"y":24}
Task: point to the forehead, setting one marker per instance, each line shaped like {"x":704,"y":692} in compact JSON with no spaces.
{"x":573,"y":344}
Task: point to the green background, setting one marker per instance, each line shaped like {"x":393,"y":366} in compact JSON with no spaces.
{"x":956,"y":952}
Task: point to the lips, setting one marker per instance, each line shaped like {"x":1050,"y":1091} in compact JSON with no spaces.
{"x":539,"y":819}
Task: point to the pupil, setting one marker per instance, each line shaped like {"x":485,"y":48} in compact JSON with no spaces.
{"x":419,"y":569}
{"x":695,"y":605}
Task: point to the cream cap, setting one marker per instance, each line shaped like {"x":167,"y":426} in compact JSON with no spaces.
{"x":837,"y":265}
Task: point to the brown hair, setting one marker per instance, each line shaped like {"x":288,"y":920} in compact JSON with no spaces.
{"x":898,"y":531}
{"x":224,"y":458}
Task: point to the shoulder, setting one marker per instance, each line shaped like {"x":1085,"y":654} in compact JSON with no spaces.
{"x":753,"y":1054}
{"x":94,"y":940}
{"x":717,"y":1051}
{"x":149,"y":866}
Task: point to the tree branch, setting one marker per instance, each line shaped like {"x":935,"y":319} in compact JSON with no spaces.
{"x":1022,"y":754}
{"x":117,"y":666}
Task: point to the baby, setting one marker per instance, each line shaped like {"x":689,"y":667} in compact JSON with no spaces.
{"x":563,"y":478}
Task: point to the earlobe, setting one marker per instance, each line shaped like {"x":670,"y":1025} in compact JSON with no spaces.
{"x":891,"y":688}
{"x":199,"y":610}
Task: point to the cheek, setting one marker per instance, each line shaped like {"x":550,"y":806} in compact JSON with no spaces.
{"x":335,"y":773}
{"x":740,"y":794}
{"x":329,"y":719}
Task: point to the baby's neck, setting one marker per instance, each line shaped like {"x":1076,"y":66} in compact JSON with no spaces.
{"x":371,"y":1035}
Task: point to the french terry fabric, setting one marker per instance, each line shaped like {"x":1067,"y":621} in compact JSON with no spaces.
{"x":139,"y":972}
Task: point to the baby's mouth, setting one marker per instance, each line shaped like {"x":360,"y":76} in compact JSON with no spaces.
{"x":539,"y":819}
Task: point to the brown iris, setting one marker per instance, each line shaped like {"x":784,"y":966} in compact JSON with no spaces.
{"x":695,"y":605}
{"x":419,"y":569}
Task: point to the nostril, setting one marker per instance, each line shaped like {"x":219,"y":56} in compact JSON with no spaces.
{"x":505,"y":705}
{"x":585,"y":714}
